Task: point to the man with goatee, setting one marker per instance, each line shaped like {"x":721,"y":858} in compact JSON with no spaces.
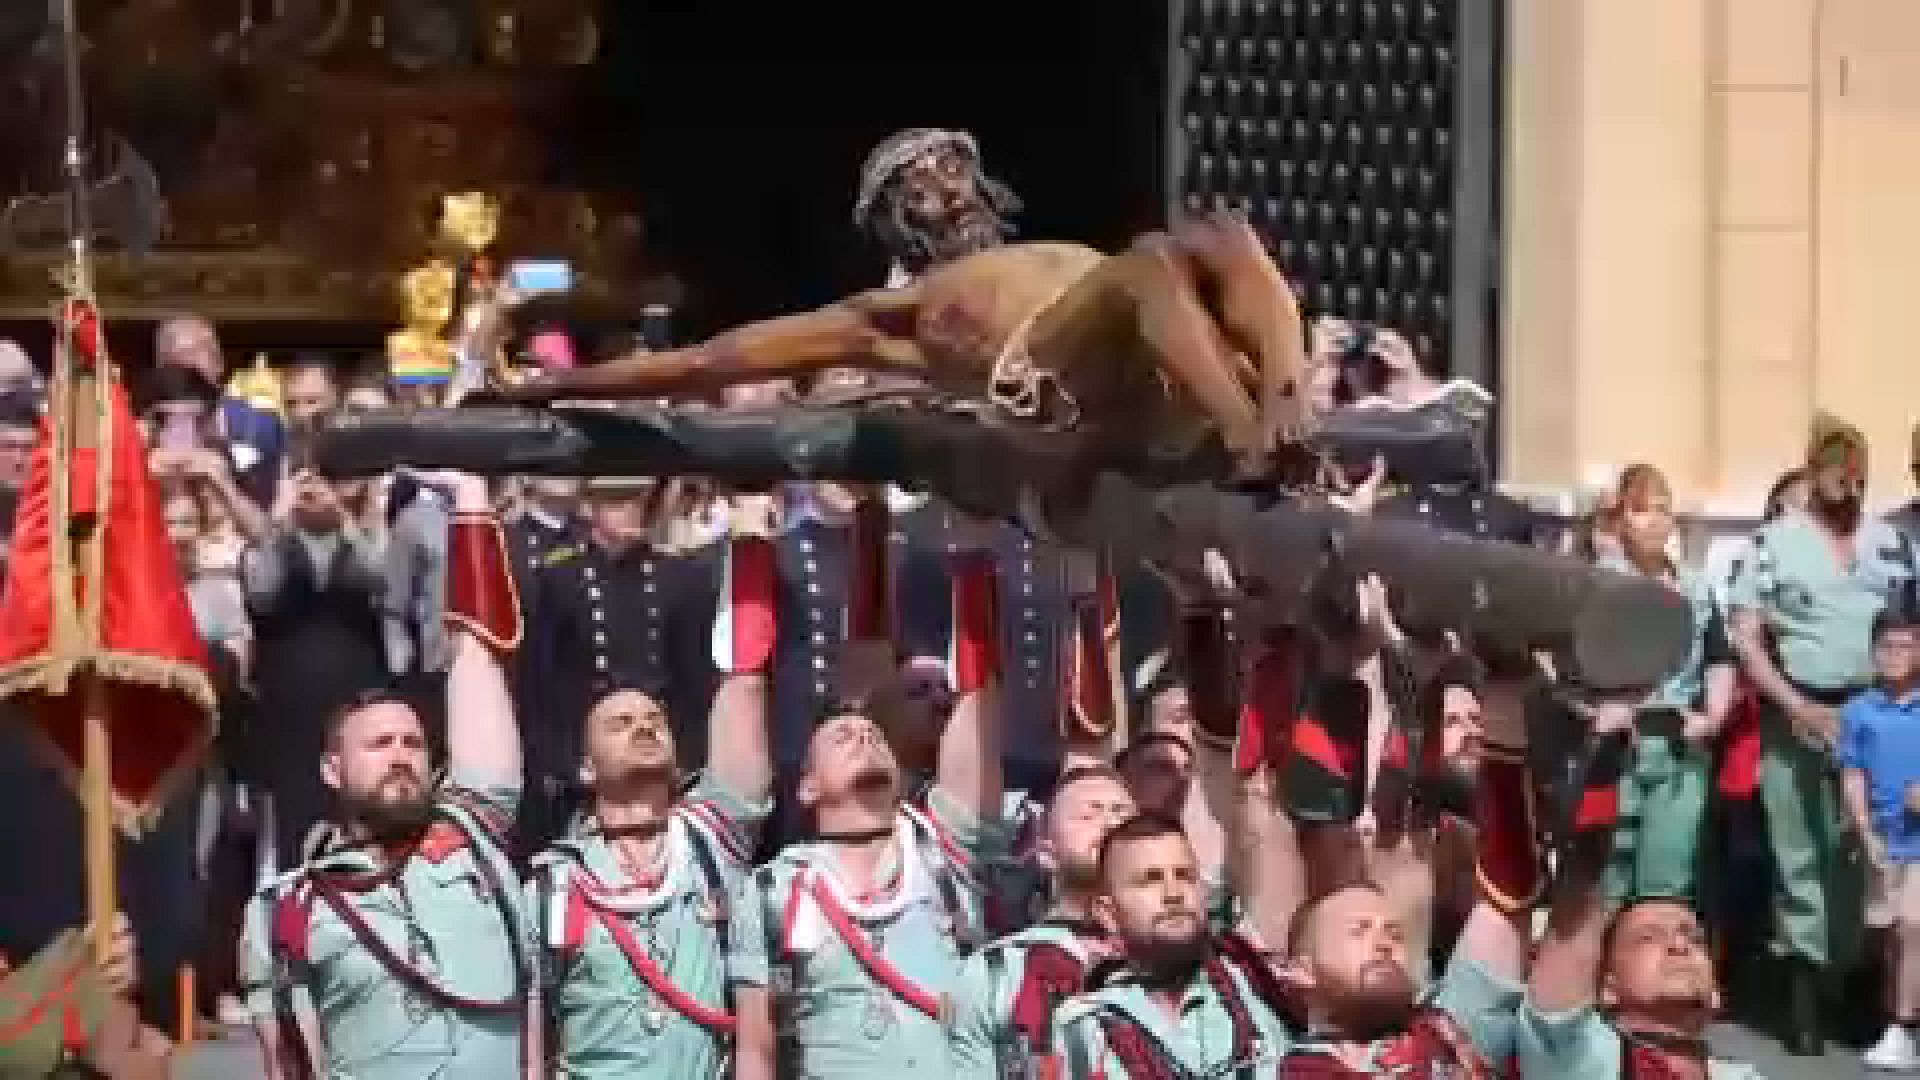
{"x":1802,"y":610}
{"x":1619,"y":995}
{"x":633,"y":902}
{"x":1342,"y":1000}
{"x":1004,"y":1026}
{"x":403,"y":952}
{"x":845,"y":953}
{"x":1176,"y":1007}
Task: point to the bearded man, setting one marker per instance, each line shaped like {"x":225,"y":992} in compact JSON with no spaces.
{"x":1807,"y":592}
{"x":1177,"y":1006}
{"x":1190,"y":335}
{"x":1004,"y":1027}
{"x":404,"y":953}
{"x":1618,"y":995}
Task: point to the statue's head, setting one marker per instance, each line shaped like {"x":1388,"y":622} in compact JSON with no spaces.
{"x":925,"y":199}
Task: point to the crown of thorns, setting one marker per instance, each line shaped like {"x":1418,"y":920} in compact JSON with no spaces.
{"x":895,"y":152}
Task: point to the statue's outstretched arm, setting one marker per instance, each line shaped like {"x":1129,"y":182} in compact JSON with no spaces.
{"x":868,"y":330}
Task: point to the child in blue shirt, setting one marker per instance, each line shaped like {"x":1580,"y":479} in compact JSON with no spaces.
{"x":1879,"y":754}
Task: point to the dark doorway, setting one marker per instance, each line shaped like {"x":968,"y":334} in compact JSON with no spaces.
{"x":742,"y":127}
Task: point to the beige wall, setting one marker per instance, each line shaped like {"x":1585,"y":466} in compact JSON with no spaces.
{"x":1709,"y":237}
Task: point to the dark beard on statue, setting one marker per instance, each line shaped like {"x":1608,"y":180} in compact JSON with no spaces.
{"x":392,"y":821}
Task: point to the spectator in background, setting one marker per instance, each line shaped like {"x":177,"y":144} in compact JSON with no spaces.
{"x":1663,"y":798}
{"x":19,"y":416}
{"x":315,"y":590}
{"x":256,"y":437}
{"x":366,"y":393}
{"x":17,"y":373}
{"x":1802,"y":608}
{"x":1880,"y":753}
{"x":179,"y":420}
{"x":310,"y":387}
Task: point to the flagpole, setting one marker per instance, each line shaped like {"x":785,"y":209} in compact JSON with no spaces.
{"x":82,"y":407}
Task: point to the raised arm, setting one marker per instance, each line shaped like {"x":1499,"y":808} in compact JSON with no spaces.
{"x":737,"y":750}
{"x":969,"y":767}
{"x":1566,"y":966}
{"x":868,"y":330}
{"x":483,"y":739}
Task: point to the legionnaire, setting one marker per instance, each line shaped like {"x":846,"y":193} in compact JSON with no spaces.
{"x":61,"y":1011}
{"x":406,"y":954}
{"x":1807,"y":591}
{"x":1664,"y":800}
{"x":1349,"y":979}
{"x":1176,"y":1006}
{"x":845,"y":953}
{"x":1003,"y":1028}
{"x":1622,"y":994}
{"x":635,"y":901}
{"x":612,"y":611}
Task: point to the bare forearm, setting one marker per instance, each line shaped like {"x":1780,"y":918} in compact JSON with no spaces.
{"x":1853,"y":784}
{"x":1722,"y":687}
{"x":1379,"y":718}
{"x":754,"y":1052}
{"x":1566,"y":968}
{"x":482,"y":736}
{"x":788,"y":345}
{"x":1209,"y":807}
{"x":1749,"y":643}
{"x":248,"y":519}
{"x":1266,"y":870}
{"x":1496,"y":941}
{"x":970,"y":752}
{"x":737,"y":736}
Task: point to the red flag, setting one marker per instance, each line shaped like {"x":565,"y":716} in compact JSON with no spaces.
{"x":140,"y":639}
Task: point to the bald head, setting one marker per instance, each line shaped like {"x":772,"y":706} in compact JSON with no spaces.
{"x":16,"y":367}
{"x":189,"y":341}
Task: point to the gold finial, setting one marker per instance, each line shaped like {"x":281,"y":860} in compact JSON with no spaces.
{"x":258,"y":385}
{"x":470,"y":221}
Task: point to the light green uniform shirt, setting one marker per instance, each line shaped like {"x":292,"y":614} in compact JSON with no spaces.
{"x":836,"y":1022}
{"x":607,"y":1021}
{"x":1200,"y":1042}
{"x":1580,"y":1042}
{"x":1821,"y":611}
{"x":1480,"y":1002}
{"x":984,"y":1039}
{"x":440,"y":914}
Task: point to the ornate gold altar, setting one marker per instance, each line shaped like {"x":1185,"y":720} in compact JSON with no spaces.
{"x":302,"y":148}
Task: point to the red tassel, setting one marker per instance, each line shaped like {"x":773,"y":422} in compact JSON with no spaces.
{"x":974,"y":655}
{"x":745,"y":627}
{"x":481,"y":596}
